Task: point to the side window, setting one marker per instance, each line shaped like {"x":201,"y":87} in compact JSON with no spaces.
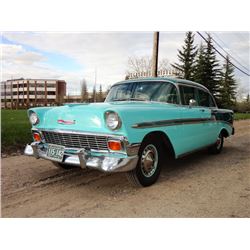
{"x":211,"y":102}
{"x":187,"y":93}
{"x":205,"y":99}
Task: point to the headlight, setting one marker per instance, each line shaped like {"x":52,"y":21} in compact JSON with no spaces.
{"x":113,"y":121}
{"x":33,"y":118}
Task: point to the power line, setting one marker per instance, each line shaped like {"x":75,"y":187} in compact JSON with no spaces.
{"x":235,"y":54}
{"x":228,"y":53}
{"x":222,"y":54}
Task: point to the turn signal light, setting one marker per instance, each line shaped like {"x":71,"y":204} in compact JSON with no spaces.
{"x":37,"y":137}
{"x":114,"y":145}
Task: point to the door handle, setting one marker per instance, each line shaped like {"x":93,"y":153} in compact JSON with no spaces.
{"x":202,"y":110}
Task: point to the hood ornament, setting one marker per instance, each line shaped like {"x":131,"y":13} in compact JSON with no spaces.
{"x":64,"y":122}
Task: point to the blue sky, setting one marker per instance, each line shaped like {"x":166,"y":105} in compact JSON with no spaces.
{"x":58,"y":60}
{"x":73,"y":56}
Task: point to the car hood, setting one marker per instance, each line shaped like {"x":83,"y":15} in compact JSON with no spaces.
{"x":90,"y":117}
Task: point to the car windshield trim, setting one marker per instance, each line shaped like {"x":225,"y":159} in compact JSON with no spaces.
{"x":129,"y":99}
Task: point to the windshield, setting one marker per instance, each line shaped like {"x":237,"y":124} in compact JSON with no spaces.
{"x":144,"y":91}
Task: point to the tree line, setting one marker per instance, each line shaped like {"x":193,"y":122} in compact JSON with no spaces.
{"x":199,"y":64}
{"x":94,"y":96}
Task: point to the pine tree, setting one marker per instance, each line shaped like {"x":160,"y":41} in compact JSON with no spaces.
{"x":207,"y":70}
{"x":248,"y":98}
{"x":200,"y":74}
{"x":94,"y":94}
{"x":84,"y":91}
{"x":211,"y":68}
{"x":100,"y":94}
{"x":186,"y":57}
{"x":227,"y":85}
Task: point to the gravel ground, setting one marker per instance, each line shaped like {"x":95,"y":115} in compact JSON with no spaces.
{"x":199,"y":185}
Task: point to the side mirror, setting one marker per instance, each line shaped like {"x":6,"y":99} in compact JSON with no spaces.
{"x":192,"y":103}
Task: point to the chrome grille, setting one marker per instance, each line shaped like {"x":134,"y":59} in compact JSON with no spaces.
{"x":72,"y":140}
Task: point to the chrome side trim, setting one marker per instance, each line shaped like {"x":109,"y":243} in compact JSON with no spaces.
{"x":173,"y":122}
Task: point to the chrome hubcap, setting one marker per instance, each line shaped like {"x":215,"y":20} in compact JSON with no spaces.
{"x":218,"y":142}
{"x":149,"y":160}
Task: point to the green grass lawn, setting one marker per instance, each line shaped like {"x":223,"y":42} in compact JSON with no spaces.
{"x":15,"y":129}
{"x":241,"y":116}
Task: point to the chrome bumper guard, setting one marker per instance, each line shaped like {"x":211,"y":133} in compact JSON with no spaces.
{"x":84,"y":159}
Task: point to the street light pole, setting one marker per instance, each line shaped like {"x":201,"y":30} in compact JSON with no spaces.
{"x":155,"y":54}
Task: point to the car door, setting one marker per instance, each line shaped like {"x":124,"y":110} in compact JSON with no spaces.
{"x":195,"y":120}
{"x":206,"y":104}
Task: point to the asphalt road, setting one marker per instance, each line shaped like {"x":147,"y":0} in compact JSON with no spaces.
{"x":199,"y":185}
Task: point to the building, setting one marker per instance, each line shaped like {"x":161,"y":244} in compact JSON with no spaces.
{"x":24,"y":93}
{"x":160,"y":73}
{"x":79,"y":99}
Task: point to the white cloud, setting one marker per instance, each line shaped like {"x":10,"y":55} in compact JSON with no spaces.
{"x":105,"y":52}
{"x":12,"y":53}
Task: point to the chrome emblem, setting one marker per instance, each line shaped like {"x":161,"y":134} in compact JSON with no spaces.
{"x":60,"y":121}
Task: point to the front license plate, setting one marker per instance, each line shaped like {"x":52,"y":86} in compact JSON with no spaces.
{"x":55,"y":152}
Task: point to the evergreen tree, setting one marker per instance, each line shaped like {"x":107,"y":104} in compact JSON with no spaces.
{"x":207,"y":70}
{"x":200,"y":74}
{"x":94,"y":94}
{"x":100,"y":94}
{"x":186,"y":57}
{"x":227,"y":85}
{"x":84,"y":91}
{"x":248,"y":98}
{"x":211,"y":68}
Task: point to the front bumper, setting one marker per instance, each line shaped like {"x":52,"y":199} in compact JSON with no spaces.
{"x":85,"y":159}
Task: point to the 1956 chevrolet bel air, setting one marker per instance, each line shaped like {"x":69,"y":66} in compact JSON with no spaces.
{"x":140,"y":123}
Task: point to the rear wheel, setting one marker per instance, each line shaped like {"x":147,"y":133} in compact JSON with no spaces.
{"x":149,"y":164}
{"x":218,"y":146}
{"x":64,"y":166}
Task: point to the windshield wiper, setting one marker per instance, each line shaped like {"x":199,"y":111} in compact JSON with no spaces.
{"x":130,"y":99}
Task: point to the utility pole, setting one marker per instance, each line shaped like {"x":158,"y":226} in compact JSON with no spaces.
{"x":155,"y":54}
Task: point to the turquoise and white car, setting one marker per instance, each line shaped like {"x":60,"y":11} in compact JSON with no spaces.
{"x":141,"y":123}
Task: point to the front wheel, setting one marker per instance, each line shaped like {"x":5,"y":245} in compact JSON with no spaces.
{"x":149,"y":164}
{"x":218,"y":146}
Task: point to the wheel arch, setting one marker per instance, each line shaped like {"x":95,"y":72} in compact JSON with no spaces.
{"x":224,"y":132}
{"x":164,"y":138}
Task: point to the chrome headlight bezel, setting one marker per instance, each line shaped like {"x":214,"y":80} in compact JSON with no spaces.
{"x":113,"y":121}
{"x":33,"y":118}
